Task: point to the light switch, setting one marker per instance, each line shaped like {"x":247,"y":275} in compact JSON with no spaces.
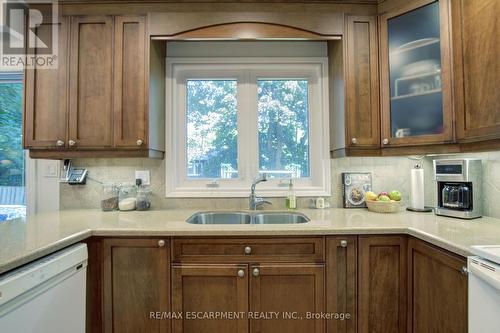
{"x":51,"y":170}
{"x":144,"y":176}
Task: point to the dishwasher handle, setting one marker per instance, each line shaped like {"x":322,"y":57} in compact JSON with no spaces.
{"x":485,"y":274}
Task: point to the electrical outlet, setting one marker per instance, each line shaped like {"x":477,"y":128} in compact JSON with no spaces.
{"x":144,"y":176}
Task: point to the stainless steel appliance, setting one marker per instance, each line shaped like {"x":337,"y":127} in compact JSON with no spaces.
{"x":458,"y":187}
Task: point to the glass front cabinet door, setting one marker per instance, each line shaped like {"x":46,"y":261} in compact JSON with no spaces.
{"x":415,"y":75}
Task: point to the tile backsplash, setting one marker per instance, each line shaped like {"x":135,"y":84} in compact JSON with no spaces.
{"x":388,"y":173}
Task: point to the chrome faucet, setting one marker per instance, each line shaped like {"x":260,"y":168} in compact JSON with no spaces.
{"x":255,"y":201}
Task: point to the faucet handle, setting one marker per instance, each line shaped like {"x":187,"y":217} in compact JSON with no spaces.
{"x":264,"y":176}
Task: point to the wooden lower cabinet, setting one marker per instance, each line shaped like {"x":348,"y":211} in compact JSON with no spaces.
{"x":135,"y":283}
{"x":341,"y":282}
{"x":390,"y":283}
{"x":437,"y":289}
{"x":261,"y":296}
{"x":199,"y":290}
{"x":291,"y":291}
{"x":382,"y":268}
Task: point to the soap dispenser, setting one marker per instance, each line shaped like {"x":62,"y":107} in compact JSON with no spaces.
{"x":291,"y":199}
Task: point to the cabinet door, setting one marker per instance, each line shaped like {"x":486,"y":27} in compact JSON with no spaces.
{"x":201,"y":290}
{"x":415,"y":74}
{"x":135,"y":283}
{"x":90,"y":115}
{"x":361,"y":77}
{"x":437,"y":290}
{"x":287,"y":290}
{"x":476,"y":49}
{"x":341,"y":281}
{"x":46,"y":104}
{"x":382,"y":284}
{"x":130,"y":110}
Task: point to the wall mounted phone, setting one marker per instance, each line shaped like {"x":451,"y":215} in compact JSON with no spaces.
{"x":72,"y":175}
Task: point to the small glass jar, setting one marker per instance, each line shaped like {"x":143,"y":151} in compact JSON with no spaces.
{"x":127,"y":197}
{"x":109,"y":197}
{"x":143,"y":199}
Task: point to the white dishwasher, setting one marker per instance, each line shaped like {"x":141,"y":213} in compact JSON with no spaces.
{"x":484,"y":290}
{"x":47,"y":295}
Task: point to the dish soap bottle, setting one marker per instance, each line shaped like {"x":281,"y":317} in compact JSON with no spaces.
{"x":291,"y":200}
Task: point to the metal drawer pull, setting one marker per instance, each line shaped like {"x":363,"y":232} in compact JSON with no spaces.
{"x":241,"y":273}
{"x":256,"y":272}
{"x":248,"y":250}
{"x":343,"y":243}
{"x":161,"y":243}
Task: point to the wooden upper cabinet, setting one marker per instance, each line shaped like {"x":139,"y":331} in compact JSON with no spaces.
{"x":415,"y":74}
{"x":476,"y":49}
{"x":437,"y":289}
{"x":90,"y":78}
{"x":287,"y":289}
{"x":362,"y":118}
{"x":136,"y":282}
{"x":209,"y":288}
{"x":130,"y":68}
{"x":341,"y":282}
{"x":46,"y":98}
{"x":382,"y":266}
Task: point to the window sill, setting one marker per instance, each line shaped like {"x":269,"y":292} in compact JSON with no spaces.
{"x":244,"y":193}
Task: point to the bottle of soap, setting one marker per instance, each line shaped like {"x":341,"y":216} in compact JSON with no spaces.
{"x":291,"y":200}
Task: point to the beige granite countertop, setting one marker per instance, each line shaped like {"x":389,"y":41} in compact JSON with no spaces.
{"x":23,"y":240}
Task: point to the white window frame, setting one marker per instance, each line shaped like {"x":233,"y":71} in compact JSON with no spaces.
{"x":246,"y":71}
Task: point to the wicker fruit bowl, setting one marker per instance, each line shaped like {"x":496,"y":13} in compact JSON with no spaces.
{"x":383,"y":206}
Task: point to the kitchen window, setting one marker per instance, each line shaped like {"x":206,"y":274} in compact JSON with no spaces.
{"x":231,"y":119}
{"x":12,"y":155}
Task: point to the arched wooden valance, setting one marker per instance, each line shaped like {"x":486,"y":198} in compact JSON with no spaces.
{"x":247,"y":31}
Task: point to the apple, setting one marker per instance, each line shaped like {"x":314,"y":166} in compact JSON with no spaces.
{"x":370,"y":196}
{"x":395,"y":195}
{"x":384,"y":198}
{"x":383,"y":193}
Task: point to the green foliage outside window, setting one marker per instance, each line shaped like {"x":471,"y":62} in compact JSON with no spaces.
{"x":11,"y":152}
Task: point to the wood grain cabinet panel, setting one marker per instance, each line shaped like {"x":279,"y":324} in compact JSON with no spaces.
{"x":136,"y":281}
{"x":361,"y":80}
{"x":382,"y":266}
{"x":204,"y":289}
{"x":341,"y":282}
{"x":46,"y":98}
{"x":90,"y":108}
{"x":437,"y":289}
{"x":291,"y":249}
{"x":130,"y":67}
{"x":476,"y":49}
{"x":287,"y":289}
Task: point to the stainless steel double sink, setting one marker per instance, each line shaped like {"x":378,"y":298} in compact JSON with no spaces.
{"x":247,"y":218}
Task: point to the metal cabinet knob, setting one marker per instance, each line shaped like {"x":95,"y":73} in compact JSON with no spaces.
{"x":343,"y":243}
{"x":385,"y":141}
{"x":464,"y":270}
{"x":354,"y":140}
{"x":139,"y":142}
{"x":71,"y":142}
{"x":60,"y":143}
{"x":241,"y":273}
{"x":256,"y":272}
{"x":161,"y":243}
{"x":248,"y":250}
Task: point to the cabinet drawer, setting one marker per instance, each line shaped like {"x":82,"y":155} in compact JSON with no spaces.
{"x":248,"y":249}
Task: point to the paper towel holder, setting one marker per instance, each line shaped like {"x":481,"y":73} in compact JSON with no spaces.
{"x":426,"y":209}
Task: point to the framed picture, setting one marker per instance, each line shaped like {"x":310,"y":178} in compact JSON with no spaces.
{"x":354,"y":187}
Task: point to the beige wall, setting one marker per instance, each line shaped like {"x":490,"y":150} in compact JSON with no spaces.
{"x":388,"y":173}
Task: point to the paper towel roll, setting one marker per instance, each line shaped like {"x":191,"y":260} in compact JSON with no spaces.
{"x":417,"y":188}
